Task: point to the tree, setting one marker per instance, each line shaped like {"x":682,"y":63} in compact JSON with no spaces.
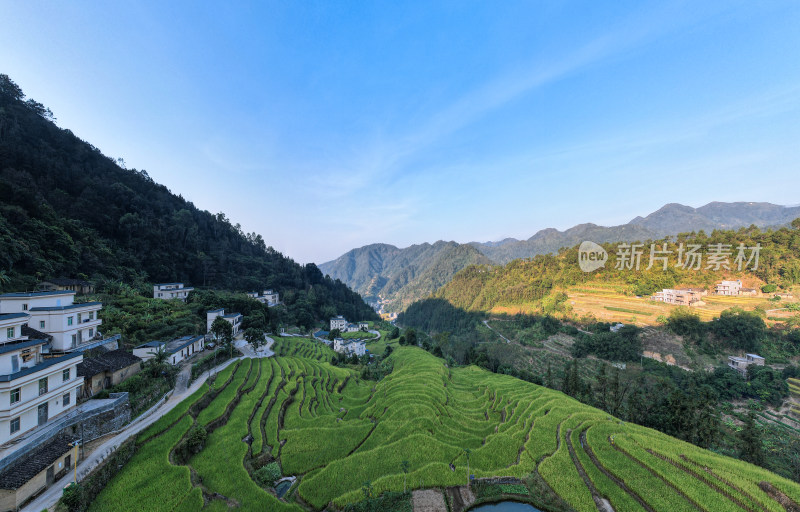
{"x":404,"y":465}
{"x":255,"y":337}
{"x":160,"y":358}
{"x":751,"y":447}
{"x":223,"y":333}
{"x":411,"y":337}
{"x":367,"y":489}
{"x":394,"y":334}
{"x":335,"y":333}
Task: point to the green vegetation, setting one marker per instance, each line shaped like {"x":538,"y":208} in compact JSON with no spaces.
{"x":302,"y":347}
{"x":358,"y":443}
{"x":66,"y":210}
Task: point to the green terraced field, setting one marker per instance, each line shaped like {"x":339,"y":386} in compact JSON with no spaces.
{"x":336,"y":432}
{"x":302,"y":347}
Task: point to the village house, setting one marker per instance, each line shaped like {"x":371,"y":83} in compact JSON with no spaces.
{"x":728,"y":288}
{"x":70,"y":327}
{"x":338,"y":322}
{"x":349,"y":347}
{"x":741,"y":364}
{"x":235,"y":319}
{"x":107,"y":370}
{"x":267,"y":297}
{"x":748,"y":291}
{"x":78,"y":286}
{"x":40,"y":469}
{"x":32,"y":389}
{"x":680,"y":296}
{"x":177,"y":350}
{"x":171,"y":291}
{"x":363,"y":326}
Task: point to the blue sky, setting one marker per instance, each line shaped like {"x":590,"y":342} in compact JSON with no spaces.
{"x":330,"y":125}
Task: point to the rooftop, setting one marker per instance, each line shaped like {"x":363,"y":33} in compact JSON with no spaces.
{"x":231,"y":315}
{"x":65,"y":308}
{"x":44,"y":364}
{"x":28,"y":467}
{"x":110,"y":361}
{"x":22,"y":295}
{"x":11,"y":316}
{"x":19,"y":345}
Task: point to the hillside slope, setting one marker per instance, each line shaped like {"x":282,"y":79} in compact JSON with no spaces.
{"x":528,"y":281}
{"x":348,"y":438}
{"x":401,"y":276}
{"x":66,"y":210}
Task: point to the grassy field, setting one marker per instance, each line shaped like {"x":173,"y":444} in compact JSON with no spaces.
{"x":337,"y":432}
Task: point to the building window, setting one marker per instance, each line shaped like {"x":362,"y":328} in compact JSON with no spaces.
{"x":41,"y":324}
{"x":69,"y":320}
{"x":15,"y":395}
{"x":15,"y":425}
{"x":42,"y":386}
{"x":74,"y":340}
{"x":79,"y":318}
{"x":65,"y":375}
{"x":91,"y":315}
{"x":66,"y":399}
{"x":10,"y":332}
{"x":24,"y":307}
{"x":91,"y":333}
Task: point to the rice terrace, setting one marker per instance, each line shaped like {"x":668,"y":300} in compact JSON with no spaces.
{"x":424,"y":426}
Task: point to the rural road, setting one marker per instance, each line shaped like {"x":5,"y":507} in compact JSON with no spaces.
{"x":486,"y":323}
{"x":51,"y":495}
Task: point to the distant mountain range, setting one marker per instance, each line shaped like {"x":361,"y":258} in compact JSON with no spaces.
{"x":401,"y":276}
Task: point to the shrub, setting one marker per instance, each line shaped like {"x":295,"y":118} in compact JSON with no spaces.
{"x":268,"y":474}
{"x":769,"y":288}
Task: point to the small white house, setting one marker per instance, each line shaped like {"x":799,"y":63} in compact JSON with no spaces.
{"x":267,"y":297}
{"x":177,"y":350}
{"x":32,"y":389}
{"x":363,"y":326}
{"x":339,"y":322}
{"x":235,"y":319}
{"x":171,"y":291}
{"x":728,"y":288}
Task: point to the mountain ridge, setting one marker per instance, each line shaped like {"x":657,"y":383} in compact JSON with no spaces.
{"x":387,"y":276}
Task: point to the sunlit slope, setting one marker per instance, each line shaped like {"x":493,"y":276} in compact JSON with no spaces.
{"x":337,"y":432}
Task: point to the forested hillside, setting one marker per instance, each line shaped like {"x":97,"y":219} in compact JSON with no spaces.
{"x":401,"y":276}
{"x":482,"y":287}
{"x":67,"y":210}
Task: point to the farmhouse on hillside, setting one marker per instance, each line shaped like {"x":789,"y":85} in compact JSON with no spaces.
{"x":171,"y":291}
{"x":177,"y":350}
{"x":107,"y":370}
{"x":235,"y":319}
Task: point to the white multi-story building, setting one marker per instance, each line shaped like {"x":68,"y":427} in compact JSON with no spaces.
{"x":349,"y":346}
{"x":73,"y":327}
{"x":339,"y":322}
{"x":32,"y":389}
{"x":267,"y":297}
{"x":728,"y":288}
{"x":235,"y":319}
{"x":171,"y":291}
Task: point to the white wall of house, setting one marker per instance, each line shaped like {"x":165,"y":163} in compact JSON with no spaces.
{"x":168,"y":291}
{"x":11,"y":329}
{"x":69,"y":327}
{"x":57,"y":386}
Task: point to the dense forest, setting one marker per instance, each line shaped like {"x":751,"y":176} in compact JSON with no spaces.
{"x":67,"y":210}
{"x":481,"y":287}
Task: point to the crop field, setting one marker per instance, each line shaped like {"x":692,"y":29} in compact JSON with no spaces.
{"x":420,"y":426}
{"x":302,"y":347}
